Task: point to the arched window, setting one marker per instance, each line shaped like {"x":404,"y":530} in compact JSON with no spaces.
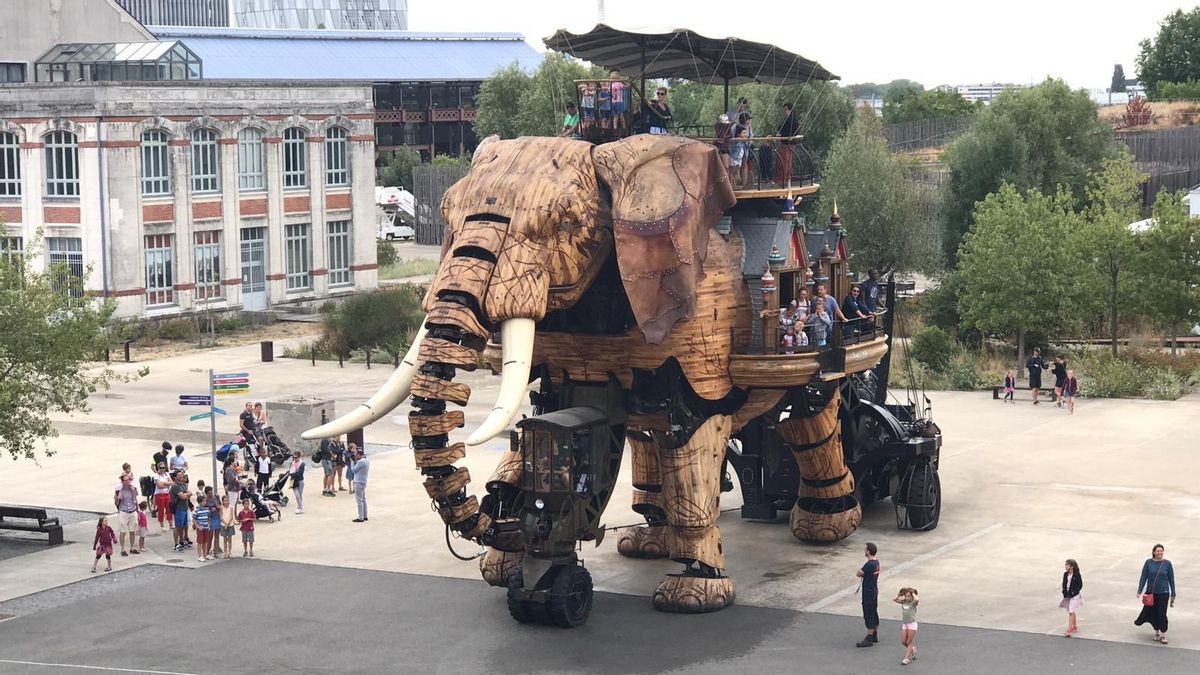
{"x":156,"y":163}
{"x":295,"y":166}
{"x":336,"y":157}
{"x":62,"y":164}
{"x":10,"y":165}
{"x":251,"y":164}
{"x":206,"y":164}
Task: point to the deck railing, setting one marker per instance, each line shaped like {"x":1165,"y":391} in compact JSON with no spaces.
{"x":840,"y":334}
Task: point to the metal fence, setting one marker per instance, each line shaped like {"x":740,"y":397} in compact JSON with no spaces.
{"x":429,"y":184}
{"x":927,"y":133}
{"x":1170,"y":156}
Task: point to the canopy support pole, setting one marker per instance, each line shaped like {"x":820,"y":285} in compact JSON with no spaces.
{"x":726,"y":106}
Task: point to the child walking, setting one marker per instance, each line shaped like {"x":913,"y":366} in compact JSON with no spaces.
{"x":246,"y":518}
{"x":143,"y":524}
{"x":1072,"y":585}
{"x":1010,"y":386}
{"x":1070,"y":389}
{"x":227,"y":520}
{"x":907,"y":599}
{"x":103,"y":543}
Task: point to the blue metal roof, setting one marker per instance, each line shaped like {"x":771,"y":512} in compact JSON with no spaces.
{"x":381,"y":56}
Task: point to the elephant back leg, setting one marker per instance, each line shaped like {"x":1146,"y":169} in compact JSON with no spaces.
{"x":826,"y":510}
{"x":691,"y":493}
{"x":649,"y":541}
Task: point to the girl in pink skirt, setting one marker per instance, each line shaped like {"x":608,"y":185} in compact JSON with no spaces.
{"x":1072,"y":585}
{"x":103,"y":543}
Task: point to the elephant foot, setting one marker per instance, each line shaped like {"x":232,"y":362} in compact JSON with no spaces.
{"x":497,"y":566}
{"x":688,"y":594}
{"x":825,"y":520}
{"x":643,"y":542}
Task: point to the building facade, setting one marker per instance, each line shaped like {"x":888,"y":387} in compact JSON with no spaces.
{"x":33,"y":27}
{"x":176,"y":197}
{"x":320,"y":14}
{"x":179,"y":12}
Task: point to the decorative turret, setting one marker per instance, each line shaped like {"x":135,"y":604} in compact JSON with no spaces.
{"x":835,"y":221}
{"x":775,"y":260}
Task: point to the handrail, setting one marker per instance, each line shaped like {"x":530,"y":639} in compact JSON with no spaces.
{"x":841,"y":333}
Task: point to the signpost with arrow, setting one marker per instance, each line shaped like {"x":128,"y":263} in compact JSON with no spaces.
{"x":219,"y":384}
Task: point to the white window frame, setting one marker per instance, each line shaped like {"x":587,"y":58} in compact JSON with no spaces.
{"x":207,"y":251}
{"x":298,"y":255}
{"x":337,"y":157}
{"x":252,"y":160}
{"x":61,"y":153}
{"x":340,"y":253}
{"x":156,"y":164}
{"x":67,"y":251}
{"x":10,"y":165}
{"x":206,"y":161}
{"x":295,"y":158}
{"x":160,"y":269}
{"x":12,"y":250}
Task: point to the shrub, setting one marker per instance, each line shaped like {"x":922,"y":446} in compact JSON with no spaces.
{"x":961,"y":372}
{"x":1178,"y":91}
{"x":177,"y":329}
{"x":229,"y":323}
{"x":385,"y":253}
{"x":932,"y":347}
{"x":385,"y":319}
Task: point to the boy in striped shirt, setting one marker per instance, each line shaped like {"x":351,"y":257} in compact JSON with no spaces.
{"x":200,"y":516}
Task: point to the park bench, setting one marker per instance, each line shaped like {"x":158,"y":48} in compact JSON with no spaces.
{"x":1043,"y":392}
{"x":14,"y":517}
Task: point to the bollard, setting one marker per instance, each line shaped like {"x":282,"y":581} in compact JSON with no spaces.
{"x":341,"y":360}
{"x":267,"y":348}
{"x":355,"y":437}
{"x":368,"y":359}
{"x":127,"y":344}
{"x":312,"y":350}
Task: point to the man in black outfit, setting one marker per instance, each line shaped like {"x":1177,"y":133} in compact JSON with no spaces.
{"x":1035,"y":365}
{"x":787,"y":129}
{"x":870,"y":596}
{"x":163,"y":455}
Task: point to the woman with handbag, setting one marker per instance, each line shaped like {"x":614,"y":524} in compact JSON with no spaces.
{"x":296,"y":471}
{"x":1158,"y":582}
{"x":1072,"y":585}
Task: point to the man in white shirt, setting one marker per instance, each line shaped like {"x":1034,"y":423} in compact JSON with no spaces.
{"x":362,"y":466}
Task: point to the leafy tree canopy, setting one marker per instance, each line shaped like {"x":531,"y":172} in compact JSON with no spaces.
{"x":1170,"y":56}
{"x":395,"y":168}
{"x":913,"y":103}
{"x":1040,"y":138}
{"x":881,"y":208}
{"x":385,"y":319}
{"x":1118,"y":79}
{"x":513,"y":103}
{"x":45,"y":349}
{"x":1171,"y":265}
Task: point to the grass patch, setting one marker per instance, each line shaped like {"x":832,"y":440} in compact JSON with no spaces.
{"x":414,"y":267}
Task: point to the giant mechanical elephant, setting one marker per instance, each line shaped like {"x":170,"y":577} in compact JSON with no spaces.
{"x":599,"y":266}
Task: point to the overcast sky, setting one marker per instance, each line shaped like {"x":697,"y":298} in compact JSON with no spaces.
{"x":931,"y":41}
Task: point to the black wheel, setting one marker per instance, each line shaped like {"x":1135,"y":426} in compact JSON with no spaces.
{"x":570,"y":599}
{"x":524,"y":611}
{"x":920,"y":497}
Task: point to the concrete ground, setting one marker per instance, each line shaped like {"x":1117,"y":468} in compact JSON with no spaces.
{"x":1025,"y":487}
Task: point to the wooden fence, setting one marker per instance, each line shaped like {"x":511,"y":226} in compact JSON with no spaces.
{"x":927,"y":133}
{"x":429,"y":184}
{"x":1170,"y":156}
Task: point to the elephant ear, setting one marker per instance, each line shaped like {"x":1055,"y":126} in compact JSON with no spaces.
{"x":667,"y":192}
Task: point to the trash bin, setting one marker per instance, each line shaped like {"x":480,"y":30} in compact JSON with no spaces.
{"x":355,"y":437}
{"x":268,"y":350}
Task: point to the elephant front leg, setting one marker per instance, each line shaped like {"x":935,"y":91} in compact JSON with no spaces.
{"x":826,"y":510}
{"x":691,"y":490}
{"x":649,"y":541}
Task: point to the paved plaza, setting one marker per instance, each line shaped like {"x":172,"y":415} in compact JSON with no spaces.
{"x":1025,"y":487}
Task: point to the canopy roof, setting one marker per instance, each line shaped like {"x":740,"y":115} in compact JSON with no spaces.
{"x":685,"y":54}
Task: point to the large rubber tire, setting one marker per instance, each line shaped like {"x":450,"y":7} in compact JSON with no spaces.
{"x":570,"y":600}
{"x":924,"y":487}
{"x":521,"y":612}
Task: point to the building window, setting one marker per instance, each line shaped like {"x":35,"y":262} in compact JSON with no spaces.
{"x":156,"y":164}
{"x":339,"y":252}
{"x":335,"y":157}
{"x":295,"y":168}
{"x":205,"y":161}
{"x":12,"y":72}
{"x":298,"y":263}
{"x":251,"y":162}
{"x":62,"y":164}
{"x":12,"y":250}
{"x":65,"y":255}
{"x":160,"y":273}
{"x":208,"y":265}
{"x":10,"y":165}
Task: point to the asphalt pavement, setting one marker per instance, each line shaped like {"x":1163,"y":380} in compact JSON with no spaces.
{"x":255,"y":616}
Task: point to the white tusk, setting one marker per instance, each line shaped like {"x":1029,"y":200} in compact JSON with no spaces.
{"x":516,"y":344}
{"x":390,"y":395}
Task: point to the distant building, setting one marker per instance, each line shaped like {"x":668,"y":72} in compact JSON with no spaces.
{"x":873,"y":102}
{"x":321,"y":14}
{"x":179,"y":12}
{"x":979,"y":92}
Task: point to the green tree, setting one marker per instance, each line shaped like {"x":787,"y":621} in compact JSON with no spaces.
{"x":1114,"y":204}
{"x":1118,"y":79}
{"x":395,"y":168}
{"x":1171,"y":266}
{"x":1019,"y":266}
{"x":1040,"y":138}
{"x":384,"y":319}
{"x":499,"y":102}
{"x":45,"y":350}
{"x":1170,"y":56}
{"x":879,"y":204}
{"x":912,"y":103}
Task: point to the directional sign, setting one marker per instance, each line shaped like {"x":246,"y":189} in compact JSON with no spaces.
{"x":199,"y":417}
{"x":205,"y":402}
{"x":226,"y":387}
{"x":222,"y":376}
{"x":232,"y":392}
{"x":218,"y":411}
{"x":231,"y":380}
{"x":194,"y":397}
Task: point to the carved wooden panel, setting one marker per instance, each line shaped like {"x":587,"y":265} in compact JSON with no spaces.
{"x":691,"y":475}
{"x":824,"y":527}
{"x":440,"y":456}
{"x":434,"y":425}
{"x":773,"y":370}
{"x":444,"y":351}
{"x":645,"y":465}
{"x":428,"y":386}
{"x":441,"y":488}
{"x":694,"y":595}
{"x":758,"y":402}
{"x":509,"y":469}
{"x":497,"y":567}
{"x":466,"y":275}
{"x":701,"y":544}
{"x":456,"y":514}
{"x":450,"y":314}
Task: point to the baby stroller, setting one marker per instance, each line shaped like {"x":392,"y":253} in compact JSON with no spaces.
{"x":263,"y":508}
{"x":277,"y":450}
{"x":274,"y":492}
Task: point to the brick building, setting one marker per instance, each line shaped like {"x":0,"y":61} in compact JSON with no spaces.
{"x":193,"y":195}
